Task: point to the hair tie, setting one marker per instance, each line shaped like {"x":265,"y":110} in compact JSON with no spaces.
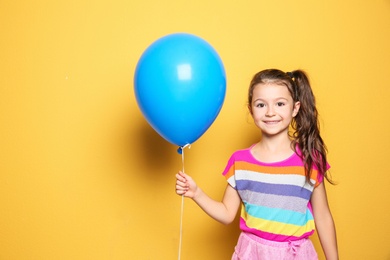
{"x":290,"y":74}
{"x":294,"y":86}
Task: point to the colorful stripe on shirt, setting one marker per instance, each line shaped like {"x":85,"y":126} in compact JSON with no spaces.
{"x":275,"y":196}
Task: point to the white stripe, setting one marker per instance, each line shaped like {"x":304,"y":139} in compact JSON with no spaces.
{"x":232,"y":181}
{"x":288,"y":179}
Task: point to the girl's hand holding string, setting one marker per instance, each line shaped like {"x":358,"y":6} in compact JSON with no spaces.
{"x":185,"y":185}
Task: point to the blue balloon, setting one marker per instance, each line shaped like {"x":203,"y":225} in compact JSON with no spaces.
{"x":180,"y":86}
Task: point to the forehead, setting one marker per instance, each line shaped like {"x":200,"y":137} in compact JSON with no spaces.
{"x":271,"y":90}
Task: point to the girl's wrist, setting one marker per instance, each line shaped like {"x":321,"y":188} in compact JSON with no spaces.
{"x":197,"y":193}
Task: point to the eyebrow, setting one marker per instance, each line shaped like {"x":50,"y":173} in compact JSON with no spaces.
{"x":279,"y":98}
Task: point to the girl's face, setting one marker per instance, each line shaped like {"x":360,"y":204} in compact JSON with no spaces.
{"x":273,"y":108}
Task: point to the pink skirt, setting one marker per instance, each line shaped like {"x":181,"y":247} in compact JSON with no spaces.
{"x":251,"y":247}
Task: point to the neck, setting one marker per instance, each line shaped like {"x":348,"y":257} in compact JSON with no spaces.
{"x":272,"y":149}
{"x":275,"y":143}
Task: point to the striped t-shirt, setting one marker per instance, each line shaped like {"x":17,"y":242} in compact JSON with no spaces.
{"x":275,"y":196}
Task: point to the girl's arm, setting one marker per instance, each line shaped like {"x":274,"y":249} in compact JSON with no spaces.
{"x":223,"y":211}
{"x":324,"y":222}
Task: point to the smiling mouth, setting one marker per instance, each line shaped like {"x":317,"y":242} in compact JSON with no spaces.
{"x":271,"y":122}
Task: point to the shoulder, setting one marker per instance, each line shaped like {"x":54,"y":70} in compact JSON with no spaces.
{"x":316,"y":157}
{"x":242,"y":154}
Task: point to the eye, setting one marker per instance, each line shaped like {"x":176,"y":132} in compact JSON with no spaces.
{"x":260,"y":105}
{"x":280,"y":104}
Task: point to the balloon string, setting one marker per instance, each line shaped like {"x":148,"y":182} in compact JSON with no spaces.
{"x":182,"y":202}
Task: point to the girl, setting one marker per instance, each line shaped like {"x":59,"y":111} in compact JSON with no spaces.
{"x":278,"y":181}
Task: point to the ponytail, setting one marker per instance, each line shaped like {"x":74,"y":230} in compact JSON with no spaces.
{"x":306,"y":126}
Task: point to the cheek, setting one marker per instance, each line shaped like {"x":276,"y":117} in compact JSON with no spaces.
{"x":255,"y":115}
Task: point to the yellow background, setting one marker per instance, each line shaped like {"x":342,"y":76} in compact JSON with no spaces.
{"x":82,"y":174}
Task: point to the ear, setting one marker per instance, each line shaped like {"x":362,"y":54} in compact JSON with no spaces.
{"x":250,"y":108}
{"x":297,"y":105}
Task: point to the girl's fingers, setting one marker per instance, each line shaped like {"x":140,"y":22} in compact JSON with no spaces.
{"x":181,"y":178}
{"x":183,"y":175}
{"x":180,"y":190}
{"x":181,"y":183}
{"x":181,"y":187}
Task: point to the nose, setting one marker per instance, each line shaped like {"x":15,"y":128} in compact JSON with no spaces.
{"x":270,"y":111}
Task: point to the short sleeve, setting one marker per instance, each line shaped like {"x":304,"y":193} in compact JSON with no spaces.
{"x":320,"y":177}
{"x":229,"y":171}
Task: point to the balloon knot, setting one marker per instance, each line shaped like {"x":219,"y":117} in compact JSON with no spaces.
{"x":181,"y":148}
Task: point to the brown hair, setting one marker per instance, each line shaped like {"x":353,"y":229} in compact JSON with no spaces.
{"x":306,"y":134}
